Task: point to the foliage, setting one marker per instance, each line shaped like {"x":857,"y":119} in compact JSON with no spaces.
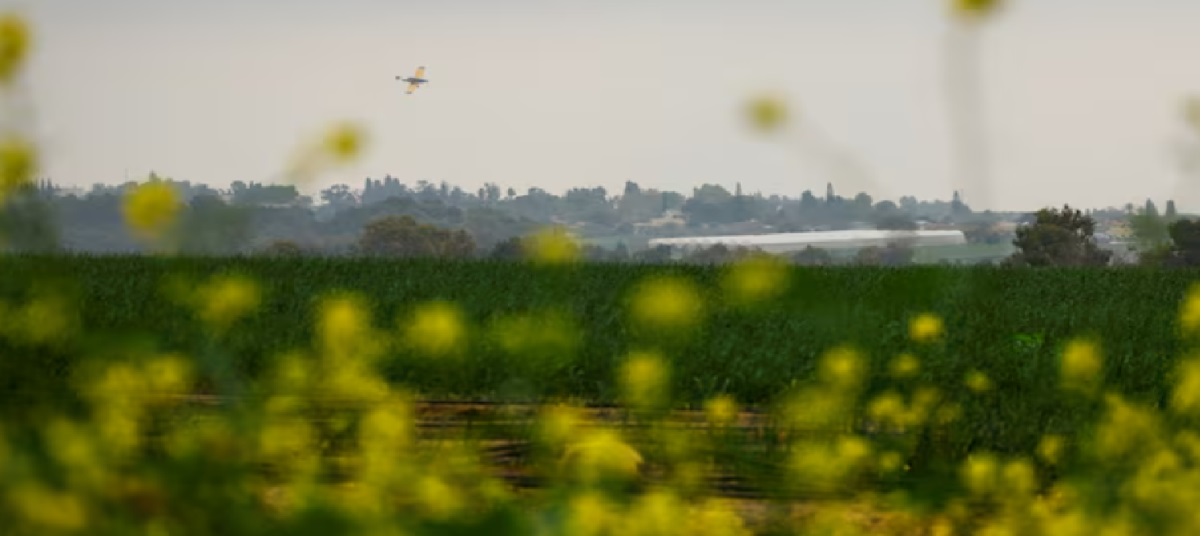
{"x":403,"y":237}
{"x":1058,"y":238}
{"x":28,"y":223}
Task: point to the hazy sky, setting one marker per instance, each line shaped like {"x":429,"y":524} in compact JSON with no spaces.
{"x":1083,"y":96}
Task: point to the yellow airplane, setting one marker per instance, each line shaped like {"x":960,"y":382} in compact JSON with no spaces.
{"x":414,"y":81}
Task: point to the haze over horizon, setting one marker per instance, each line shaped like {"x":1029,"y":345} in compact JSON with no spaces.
{"x":1083,"y":97}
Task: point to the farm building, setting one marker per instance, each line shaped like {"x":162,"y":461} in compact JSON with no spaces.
{"x":791,"y":242}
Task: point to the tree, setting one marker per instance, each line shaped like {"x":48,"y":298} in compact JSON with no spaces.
{"x":508,"y":250}
{"x":1184,"y":234}
{"x":402,"y":236}
{"x":1180,"y":251}
{"x":1058,"y":238}
{"x":211,"y":227}
{"x":896,"y":222}
{"x":28,"y":223}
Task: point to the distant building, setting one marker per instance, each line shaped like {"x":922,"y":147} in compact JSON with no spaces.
{"x":793,"y":242}
{"x":670,"y":217}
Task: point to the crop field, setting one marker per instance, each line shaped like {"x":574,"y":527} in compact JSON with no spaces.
{"x":353,"y":395}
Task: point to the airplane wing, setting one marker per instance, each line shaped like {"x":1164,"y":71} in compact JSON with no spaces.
{"x":421,"y":72}
{"x":412,"y":87}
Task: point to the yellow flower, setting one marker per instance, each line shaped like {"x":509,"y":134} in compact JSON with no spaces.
{"x":975,"y":9}
{"x":344,"y":142}
{"x":552,"y":245}
{"x":439,"y":499}
{"x":150,"y":208}
{"x":344,"y":327}
{"x":14,"y":45}
{"x":1080,"y":366}
{"x":716,"y":518}
{"x":667,"y":303}
{"x":979,"y":473}
{"x":1189,"y":312}
{"x":721,"y":410}
{"x":1018,"y":477}
{"x":758,"y":278}
{"x":436,"y":328}
{"x":558,"y":424}
{"x":978,"y":382}
{"x":52,"y":510}
{"x":225,"y":299}
{"x":926,"y":327}
{"x":1050,"y":448}
{"x":18,"y":161}
{"x":600,"y":454}
{"x":904,"y":366}
{"x":767,"y":113}
{"x":590,"y":514}
{"x":1186,"y":391}
{"x":842,"y":368}
{"x":645,"y":379}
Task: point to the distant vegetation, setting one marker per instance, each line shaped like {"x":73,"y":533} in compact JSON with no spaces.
{"x":269,"y":219}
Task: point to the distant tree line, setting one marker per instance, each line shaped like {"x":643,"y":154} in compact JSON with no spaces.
{"x":388,"y":217}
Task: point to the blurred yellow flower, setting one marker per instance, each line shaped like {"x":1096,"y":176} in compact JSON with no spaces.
{"x":926,"y":327}
{"x":388,"y":427}
{"x":1050,"y":448}
{"x":225,"y":299}
{"x":1186,"y":390}
{"x":827,"y":466}
{"x":601,"y":454}
{"x":758,"y":278}
{"x":558,"y":424}
{"x":979,"y":473}
{"x":842,"y":368}
{"x":168,"y":374}
{"x":667,"y":302}
{"x":589,"y":514}
{"x":975,"y":9}
{"x":767,"y":113}
{"x":714,"y":517}
{"x":344,"y":326}
{"x":150,"y":208}
{"x":344,"y":141}
{"x":1189,"y":312}
{"x":889,"y":461}
{"x":14,"y":45}
{"x":17,"y":165}
{"x":978,"y":382}
{"x":436,"y":328}
{"x":552,"y":245}
{"x":655,"y":513}
{"x":1018,"y":479}
{"x":1080,"y":366}
{"x":46,"y":319}
{"x":439,"y":499}
{"x":644,"y":379}
{"x":721,"y":410}
{"x":48,"y":509}
{"x":904,"y":366}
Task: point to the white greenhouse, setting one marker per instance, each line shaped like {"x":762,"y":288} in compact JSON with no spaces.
{"x":792,"y":242}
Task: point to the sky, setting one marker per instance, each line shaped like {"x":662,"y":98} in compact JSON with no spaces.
{"x":1082,"y":98}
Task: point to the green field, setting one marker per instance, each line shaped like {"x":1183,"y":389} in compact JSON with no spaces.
{"x":1008,"y":324}
{"x":816,"y":355}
